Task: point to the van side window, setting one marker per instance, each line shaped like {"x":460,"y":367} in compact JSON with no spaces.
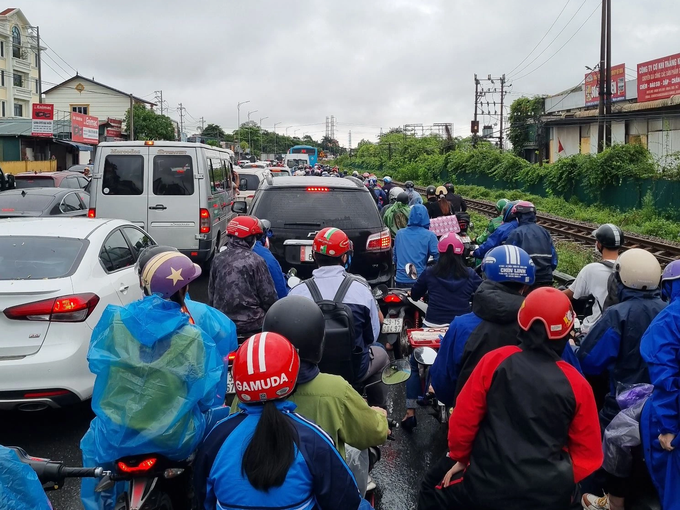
{"x":211,"y":171}
{"x":173,"y":175}
{"x":218,"y":175}
{"x":123,"y":175}
{"x":226,"y":168}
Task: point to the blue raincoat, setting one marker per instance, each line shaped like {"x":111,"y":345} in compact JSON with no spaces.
{"x":20,"y":488}
{"x":157,"y":375}
{"x":660,"y":348}
{"x":536,"y":241}
{"x":274,"y":269}
{"x":498,"y":237}
{"x":414,"y":244}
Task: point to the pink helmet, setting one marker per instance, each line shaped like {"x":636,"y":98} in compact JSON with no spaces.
{"x":451,"y":239}
{"x":167,"y":273}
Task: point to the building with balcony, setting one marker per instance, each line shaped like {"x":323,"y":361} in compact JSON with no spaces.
{"x":19,"y":60}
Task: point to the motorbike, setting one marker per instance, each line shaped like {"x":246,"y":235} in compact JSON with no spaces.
{"x":425,"y":357}
{"x":465,"y":227}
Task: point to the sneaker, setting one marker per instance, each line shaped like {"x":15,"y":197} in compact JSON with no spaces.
{"x":409,"y":423}
{"x":594,"y":502}
{"x":370,"y":486}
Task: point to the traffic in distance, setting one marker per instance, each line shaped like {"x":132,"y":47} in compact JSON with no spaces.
{"x":332,"y":299}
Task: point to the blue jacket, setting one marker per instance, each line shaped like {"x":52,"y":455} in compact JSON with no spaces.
{"x":414,"y":197}
{"x":380,"y":197}
{"x":274,"y":269}
{"x":613,"y":343}
{"x":497,"y":238}
{"x":414,"y":244}
{"x":318,"y":477}
{"x":660,"y":348}
{"x":536,"y":241}
{"x":447,"y":298}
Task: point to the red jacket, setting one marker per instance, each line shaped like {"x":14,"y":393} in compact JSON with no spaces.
{"x":527,"y":424}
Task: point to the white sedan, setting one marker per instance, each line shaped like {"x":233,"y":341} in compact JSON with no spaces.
{"x":56,"y":277}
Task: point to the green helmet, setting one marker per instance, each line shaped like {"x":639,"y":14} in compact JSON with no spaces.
{"x":500,"y":205}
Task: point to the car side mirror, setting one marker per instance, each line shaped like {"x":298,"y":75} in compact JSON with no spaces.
{"x":239,"y":207}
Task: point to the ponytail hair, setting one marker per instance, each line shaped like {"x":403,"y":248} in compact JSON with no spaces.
{"x":271,"y":451}
{"x":444,"y":205}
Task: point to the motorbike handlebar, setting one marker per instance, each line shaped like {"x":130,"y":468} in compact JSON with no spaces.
{"x":70,"y":472}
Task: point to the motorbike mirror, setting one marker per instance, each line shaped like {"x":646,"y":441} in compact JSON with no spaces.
{"x":380,"y":291}
{"x":425,"y":355}
{"x":396,"y":372}
{"x":292,"y":272}
{"x":105,"y":484}
{"x":294,"y":281}
{"x":411,"y":271}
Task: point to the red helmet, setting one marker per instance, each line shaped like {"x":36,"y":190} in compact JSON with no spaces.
{"x":332,"y":242}
{"x":244,"y":226}
{"x":265,"y":368}
{"x":552,"y":308}
{"x":453,"y":240}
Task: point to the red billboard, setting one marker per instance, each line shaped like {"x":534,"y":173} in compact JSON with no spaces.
{"x":84,"y":128}
{"x":659,"y":79}
{"x":43,"y":119}
{"x":618,"y":86}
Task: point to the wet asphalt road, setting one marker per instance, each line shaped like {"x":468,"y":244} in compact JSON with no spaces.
{"x":56,"y":434}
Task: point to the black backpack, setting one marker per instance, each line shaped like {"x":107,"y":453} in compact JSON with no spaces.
{"x":340,"y":355}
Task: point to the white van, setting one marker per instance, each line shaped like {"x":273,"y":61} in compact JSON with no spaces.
{"x":179,"y":192}
{"x":296,"y":160}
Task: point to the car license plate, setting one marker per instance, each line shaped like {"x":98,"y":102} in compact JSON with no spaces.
{"x":391,"y":326}
{"x":306,"y":254}
{"x":230,"y":384}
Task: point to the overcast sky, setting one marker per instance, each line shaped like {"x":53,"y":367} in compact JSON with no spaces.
{"x":371,"y":63}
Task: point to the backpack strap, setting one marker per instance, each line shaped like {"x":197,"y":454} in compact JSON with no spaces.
{"x":342,"y":290}
{"x":314,"y":290}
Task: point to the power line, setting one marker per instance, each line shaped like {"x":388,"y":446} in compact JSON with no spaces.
{"x":542,"y":38}
{"x":55,"y":62}
{"x":42,"y":40}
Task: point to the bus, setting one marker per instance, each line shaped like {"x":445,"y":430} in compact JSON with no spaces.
{"x":312,"y":152}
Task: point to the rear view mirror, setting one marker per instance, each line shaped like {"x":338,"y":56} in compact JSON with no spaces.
{"x":425,"y":355}
{"x":396,"y":372}
{"x":239,"y":207}
{"x":380,"y":291}
{"x":293,"y":281}
{"x":292,"y":272}
{"x":243,"y":184}
{"x":411,"y":271}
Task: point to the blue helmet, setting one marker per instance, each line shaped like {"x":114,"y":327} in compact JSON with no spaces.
{"x":509,"y":213}
{"x":509,"y":263}
{"x":387,"y":179}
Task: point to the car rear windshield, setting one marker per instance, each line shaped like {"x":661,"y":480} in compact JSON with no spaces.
{"x":27,"y":203}
{"x":248,"y":182}
{"x":34,"y":182}
{"x":291,"y":207}
{"x":37,"y":258}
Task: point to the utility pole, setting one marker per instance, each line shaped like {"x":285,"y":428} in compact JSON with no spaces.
{"x":603,"y":79}
{"x":500,"y":136}
{"x":238,"y":121}
{"x":275,"y":137}
{"x":250,"y":132}
{"x":474,"y":127}
{"x":350,"y":145}
{"x":487,"y":96}
{"x":332,"y":127}
{"x":131,"y":134}
{"x":261,"y":119}
{"x":159,"y":98}
{"x":202,"y":119}
{"x":37,"y":35}
{"x":328,"y":126}
{"x":608,"y":83}
{"x":181,"y":121}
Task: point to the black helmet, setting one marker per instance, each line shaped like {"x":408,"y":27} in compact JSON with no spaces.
{"x":150,"y":252}
{"x":449,"y":187}
{"x":409,"y":185}
{"x":301,"y":321}
{"x":463,"y":219}
{"x":403,"y":198}
{"x":609,"y":236}
{"x":430,"y":191}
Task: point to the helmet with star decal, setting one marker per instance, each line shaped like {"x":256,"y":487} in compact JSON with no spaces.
{"x":167,"y":273}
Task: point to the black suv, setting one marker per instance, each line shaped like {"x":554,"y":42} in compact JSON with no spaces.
{"x":298,"y":207}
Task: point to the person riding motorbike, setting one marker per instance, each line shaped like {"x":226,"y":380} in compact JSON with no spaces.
{"x":414,"y":244}
{"x":397,"y":214}
{"x":267,"y":455}
{"x":508,"y":273}
{"x":378,"y":194}
{"x":388,"y":184}
{"x":332,"y":253}
{"x":613,"y":343}
{"x":536,"y":241}
{"x":450,"y":285}
{"x":414,"y":197}
{"x":262,"y":249}
{"x":501,"y":234}
{"x":593,"y":279}
{"x":144,"y":355}
{"x":392,"y":197}
{"x":240,"y":284}
{"x":437,"y":205}
{"x":524,"y":430}
{"x":494,"y":223}
{"x":457,"y":202}
{"x":660,"y":423}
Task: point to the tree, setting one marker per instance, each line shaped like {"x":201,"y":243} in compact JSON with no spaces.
{"x":149,"y":125}
{"x":525,"y":116}
{"x":213,"y":131}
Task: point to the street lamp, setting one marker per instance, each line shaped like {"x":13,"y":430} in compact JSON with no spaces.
{"x":238,"y":121}
{"x":261,"y":119}
{"x":250,"y":131}
{"x":275,"y":136}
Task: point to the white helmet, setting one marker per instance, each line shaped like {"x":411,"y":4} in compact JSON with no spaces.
{"x":394,"y":193}
{"x":639,"y":269}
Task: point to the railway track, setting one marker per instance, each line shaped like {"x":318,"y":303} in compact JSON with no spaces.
{"x":576,"y":232}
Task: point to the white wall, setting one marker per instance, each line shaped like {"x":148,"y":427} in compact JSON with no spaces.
{"x":102,"y":102}
{"x":569,"y":137}
{"x":619,"y":132}
{"x":663,"y":143}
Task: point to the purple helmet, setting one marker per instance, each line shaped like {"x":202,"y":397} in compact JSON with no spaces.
{"x":167,"y":273}
{"x":672,"y":271}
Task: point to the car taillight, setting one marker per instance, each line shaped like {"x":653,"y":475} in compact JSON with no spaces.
{"x":92,"y":213}
{"x":143,"y":466}
{"x":204,"y":226}
{"x":379,"y":242}
{"x":392,"y":298}
{"x":318,"y":189}
{"x":75,"y":308}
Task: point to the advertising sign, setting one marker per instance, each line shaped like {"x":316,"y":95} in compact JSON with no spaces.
{"x":618,"y":86}
{"x":43,"y":120}
{"x":84,"y":128}
{"x":659,"y":79}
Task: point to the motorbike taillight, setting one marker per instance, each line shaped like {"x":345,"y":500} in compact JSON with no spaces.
{"x":231,"y":357}
{"x":137,"y":467}
{"x":392,"y":298}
